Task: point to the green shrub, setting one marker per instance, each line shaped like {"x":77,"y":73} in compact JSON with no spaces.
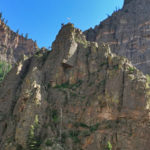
{"x":109,"y":146}
{"x":69,"y":86}
{"x":103,"y":64}
{"x":74,"y":135}
{"x":148,"y":78}
{"x":63,"y":137}
{"x":34,"y":141}
{"x":80,"y":124}
{"x":83,"y":125}
{"x":116,"y":67}
{"x":73,"y":94}
{"x":64,"y":85}
{"x":49,"y":142}
{"x":55,"y":116}
{"x":131,"y":70}
{"x":94,"y":127}
{"x":4,"y":69}
{"x":10,"y":140}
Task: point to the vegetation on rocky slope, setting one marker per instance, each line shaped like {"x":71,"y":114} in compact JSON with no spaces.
{"x":4,"y":69}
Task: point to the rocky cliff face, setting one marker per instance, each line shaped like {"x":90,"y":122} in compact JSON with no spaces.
{"x":77,"y":96}
{"x":13,"y":46}
{"x":127,"y":32}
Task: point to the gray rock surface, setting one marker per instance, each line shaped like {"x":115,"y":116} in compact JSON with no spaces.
{"x":127,"y":32}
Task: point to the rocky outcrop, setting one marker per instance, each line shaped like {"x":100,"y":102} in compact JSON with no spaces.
{"x":13,"y":46}
{"x":127,"y":32}
{"x":77,"y":96}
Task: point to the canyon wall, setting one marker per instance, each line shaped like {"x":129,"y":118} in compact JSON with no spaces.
{"x":127,"y":32}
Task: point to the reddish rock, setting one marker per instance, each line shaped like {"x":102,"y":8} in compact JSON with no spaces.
{"x":13,"y":46}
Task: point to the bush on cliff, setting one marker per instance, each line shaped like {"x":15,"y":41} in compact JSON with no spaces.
{"x":4,"y":69}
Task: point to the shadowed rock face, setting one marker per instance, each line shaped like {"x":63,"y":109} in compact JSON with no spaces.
{"x":127,"y":32}
{"x":77,"y":96}
{"x":14,"y":46}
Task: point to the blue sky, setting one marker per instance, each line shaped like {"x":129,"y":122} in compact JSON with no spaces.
{"x":42,"y":19}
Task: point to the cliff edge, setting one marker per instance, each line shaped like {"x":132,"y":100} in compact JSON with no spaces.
{"x":77,"y":96}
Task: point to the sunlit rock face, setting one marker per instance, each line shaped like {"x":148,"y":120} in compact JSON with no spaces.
{"x":77,"y":96}
{"x":127,"y":32}
{"x":13,"y":46}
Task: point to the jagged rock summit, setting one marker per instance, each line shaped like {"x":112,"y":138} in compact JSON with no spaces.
{"x":127,"y":32}
{"x":77,"y":96}
{"x":13,"y":46}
